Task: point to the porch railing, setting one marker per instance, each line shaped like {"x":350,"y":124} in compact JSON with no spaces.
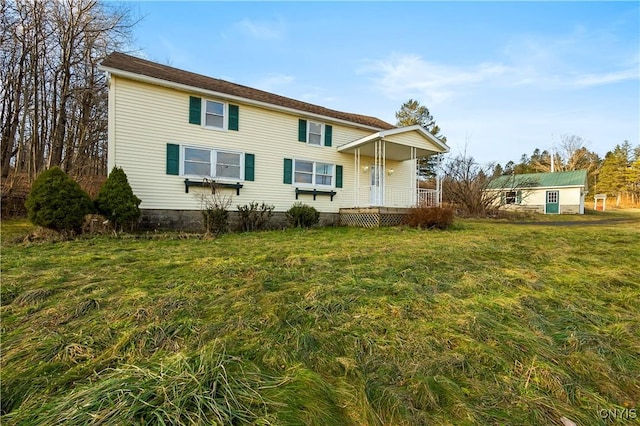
{"x":396,"y":196}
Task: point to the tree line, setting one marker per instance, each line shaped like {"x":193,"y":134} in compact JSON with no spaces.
{"x":617,"y":174}
{"x":54,"y":99}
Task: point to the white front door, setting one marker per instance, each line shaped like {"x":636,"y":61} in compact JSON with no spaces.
{"x":376,"y":185}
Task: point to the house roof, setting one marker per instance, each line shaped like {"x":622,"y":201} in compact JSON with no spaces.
{"x":126,"y":65}
{"x":399,"y":149}
{"x":540,"y":180}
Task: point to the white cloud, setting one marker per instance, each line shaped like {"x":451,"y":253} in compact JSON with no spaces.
{"x":405,"y":75}
{"x":262,"y":30}
{"x":607,"y":78}
{"x":409,"y":75}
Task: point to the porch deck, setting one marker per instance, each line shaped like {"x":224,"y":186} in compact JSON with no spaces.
{"x":372,"y":217}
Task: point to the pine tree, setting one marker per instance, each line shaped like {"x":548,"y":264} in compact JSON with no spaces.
{"x":618,"y":174}
{"x":116,"y":200}
{"x":412,"y":113}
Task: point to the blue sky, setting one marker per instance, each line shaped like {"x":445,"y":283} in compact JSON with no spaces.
{"x":500,"y":78}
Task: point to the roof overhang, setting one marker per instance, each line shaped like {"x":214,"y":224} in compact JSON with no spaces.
{"x":205,"y":92}
{"x":398,"y":143}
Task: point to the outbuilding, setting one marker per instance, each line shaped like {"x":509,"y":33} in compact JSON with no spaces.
{"x":548,"y":193}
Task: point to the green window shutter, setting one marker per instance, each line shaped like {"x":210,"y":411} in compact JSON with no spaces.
{"x":519,"y":197}
{"x":503,"y":198}
{"x":173,"y":159}
{"x":302,"y":130}
{"x":328,"y":134}
{"x":249,"y":167}
{"x":338,"y":176}
{"x":288,"y":170}
{"x":195,"y":105}
{"x":234,"y":117}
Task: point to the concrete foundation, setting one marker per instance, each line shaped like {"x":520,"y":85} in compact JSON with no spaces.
{"x":191,"y":220}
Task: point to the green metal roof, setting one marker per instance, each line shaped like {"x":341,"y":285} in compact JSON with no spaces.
{"x":540,"y":180}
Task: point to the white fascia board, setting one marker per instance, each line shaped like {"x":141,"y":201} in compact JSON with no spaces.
{"x":420,"y":130}
{"x":359,"y":142}
{"x":192,"y":89}
{"x":536,"y":188}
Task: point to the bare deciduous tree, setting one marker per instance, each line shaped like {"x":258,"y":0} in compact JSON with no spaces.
{"x":53,"y":98}
{"x":466,"y":186}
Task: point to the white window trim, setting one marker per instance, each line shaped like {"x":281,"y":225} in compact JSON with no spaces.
{"x":515,"y":198}
{"x":313,"y":183}
{"x":225,"y":115}
{"x":213,"y":152}
{"x":322,"y":126}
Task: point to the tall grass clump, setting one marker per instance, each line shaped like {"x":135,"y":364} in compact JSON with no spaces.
{"x":208,"y":388}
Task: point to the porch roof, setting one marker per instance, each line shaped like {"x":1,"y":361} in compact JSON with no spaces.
{"x":399,"y":143}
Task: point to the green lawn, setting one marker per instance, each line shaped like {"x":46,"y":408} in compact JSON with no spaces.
{"x":486,"y":323}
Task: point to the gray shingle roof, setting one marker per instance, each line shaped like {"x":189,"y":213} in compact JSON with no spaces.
{"x":123,"y":62}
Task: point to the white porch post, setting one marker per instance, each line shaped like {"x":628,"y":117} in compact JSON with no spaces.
{"x":414,"y":183}
{"x":383,"y":171}
{"x":356,"y":189}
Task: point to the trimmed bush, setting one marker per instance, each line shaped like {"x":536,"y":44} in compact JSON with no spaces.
{"x":215,"y":211}
{"x":302,"y":216}
{"x":57,"y":202}
{"x":216,"y":220}
{"x":254,"y":216}
{"x":116,"y":200}
{"x":430,"y":217}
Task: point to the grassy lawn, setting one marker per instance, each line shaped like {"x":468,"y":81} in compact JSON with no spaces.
{"x":486,"y":323}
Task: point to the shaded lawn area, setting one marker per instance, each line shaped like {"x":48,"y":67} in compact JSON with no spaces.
{"x":486,"y":323}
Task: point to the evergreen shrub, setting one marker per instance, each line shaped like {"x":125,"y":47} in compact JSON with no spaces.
{"x":302,"y":216}
{"x":57,"y":202}
{"x":116,"y":200}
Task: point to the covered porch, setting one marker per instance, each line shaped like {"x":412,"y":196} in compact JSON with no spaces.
{"x":386,"y":168}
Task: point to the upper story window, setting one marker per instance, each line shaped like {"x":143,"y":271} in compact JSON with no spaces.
{"x":214,"y":114}
{"x":315,"y":133}
{"x":314,"y":137}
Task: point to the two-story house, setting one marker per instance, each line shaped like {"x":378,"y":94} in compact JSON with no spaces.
{"x":171,"y":130}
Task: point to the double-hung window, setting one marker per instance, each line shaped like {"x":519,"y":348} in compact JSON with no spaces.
{"x":313,"y":173}
{"x":228,"y":165}
{"x":212,"y":163}
{"x":214,"y":114}
{"x":315,"y":133}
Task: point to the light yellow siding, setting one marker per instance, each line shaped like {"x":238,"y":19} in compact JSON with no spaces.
{"x":145,"y":117}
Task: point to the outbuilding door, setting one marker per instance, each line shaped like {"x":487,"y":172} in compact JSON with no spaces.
{"x":552,"y":205}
